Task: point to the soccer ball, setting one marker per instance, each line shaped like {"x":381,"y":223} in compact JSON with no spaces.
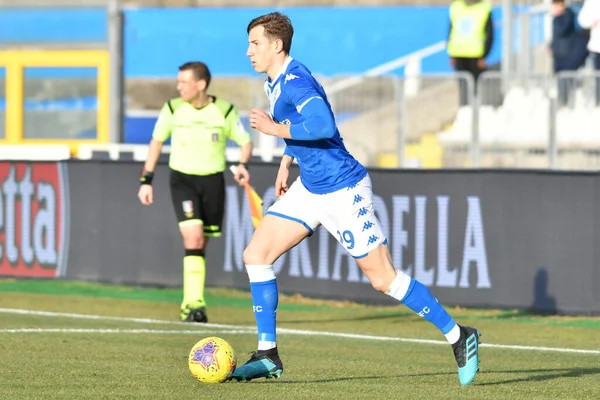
{"x":212,"y":360}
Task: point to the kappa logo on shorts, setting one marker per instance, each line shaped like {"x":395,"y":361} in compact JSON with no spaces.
{"x":372,"y":239}
{"x":367,"y":225}
{"x":363,"y":211}
{"x":188,"y":208}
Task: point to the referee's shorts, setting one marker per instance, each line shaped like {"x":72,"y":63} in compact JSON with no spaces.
{"x":199,"y":199}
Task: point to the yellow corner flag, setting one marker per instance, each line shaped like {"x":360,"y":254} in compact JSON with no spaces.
{"x":254,"y":201}
{"x":256,"y":204}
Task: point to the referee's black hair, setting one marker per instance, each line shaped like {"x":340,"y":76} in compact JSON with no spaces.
{"x":200,"y":70}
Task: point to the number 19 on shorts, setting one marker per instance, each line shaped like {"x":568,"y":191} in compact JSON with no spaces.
{"x":346,"y":238}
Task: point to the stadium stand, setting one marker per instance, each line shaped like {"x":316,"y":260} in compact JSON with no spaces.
{"x":234,"y":3}
{"x":512,"y":123}
{"x":520,"y":126}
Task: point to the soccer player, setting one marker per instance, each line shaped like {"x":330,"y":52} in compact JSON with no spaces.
{"x":333,"y":190}
{"x":199,"y":125}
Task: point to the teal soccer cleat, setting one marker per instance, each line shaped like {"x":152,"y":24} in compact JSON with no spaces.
{"x":466,"y":352}
{"x":262,"y":364}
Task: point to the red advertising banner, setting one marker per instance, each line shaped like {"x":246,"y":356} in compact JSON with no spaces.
{"x":33,"y":219}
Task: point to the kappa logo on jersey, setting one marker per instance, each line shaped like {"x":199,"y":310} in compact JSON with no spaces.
{"x":215,"y":137}
{"x":290,"y":77}
{"x":188,"y":208}
{"x":34,"y":214}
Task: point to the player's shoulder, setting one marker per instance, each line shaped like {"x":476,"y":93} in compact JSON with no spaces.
{"x":297,"y":74}
{"x":224,"y":106}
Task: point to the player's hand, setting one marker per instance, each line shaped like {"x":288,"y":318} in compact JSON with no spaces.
{"x":481,"y":63}
{"x":241,"y":174}
{"x":261,"y":121}
{"x":145,"y":194}
{"x":281,"y":182}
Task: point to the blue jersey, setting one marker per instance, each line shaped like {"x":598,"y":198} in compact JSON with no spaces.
{"x":297,"y":99}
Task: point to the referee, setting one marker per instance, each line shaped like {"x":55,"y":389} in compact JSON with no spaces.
{"x":199,"y":125}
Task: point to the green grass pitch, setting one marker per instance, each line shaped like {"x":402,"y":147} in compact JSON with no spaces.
{"x":134,"y":348}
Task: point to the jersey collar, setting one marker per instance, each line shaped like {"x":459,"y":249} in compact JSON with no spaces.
{"x":284,"y":68}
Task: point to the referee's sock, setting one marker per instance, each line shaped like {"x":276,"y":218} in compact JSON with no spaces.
{"x":194,"y":276}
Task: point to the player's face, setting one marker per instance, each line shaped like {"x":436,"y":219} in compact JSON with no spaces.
{"x":261,"y":50}
{"x":188,"y":86}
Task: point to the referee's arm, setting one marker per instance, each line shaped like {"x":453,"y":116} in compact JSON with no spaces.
{"x":162,"y":131}
{"x":246,"y":153}
{"x":237,"y":133}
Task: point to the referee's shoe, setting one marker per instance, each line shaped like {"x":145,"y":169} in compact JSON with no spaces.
{"x":193,"y":314}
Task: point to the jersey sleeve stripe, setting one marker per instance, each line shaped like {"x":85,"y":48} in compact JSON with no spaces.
{"x":301,"y":106}
{"x":170,"y":106}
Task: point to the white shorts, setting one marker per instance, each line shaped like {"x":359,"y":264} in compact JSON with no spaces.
{"x":347,"y":214}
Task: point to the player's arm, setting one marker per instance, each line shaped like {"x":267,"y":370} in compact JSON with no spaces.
{"x":282,"y":175}
{"x":317,"y":120}
{"x":236,"y":132}
{"x":288,"y":152}
{"x":162,"y":131}
{"x":286,"y":161}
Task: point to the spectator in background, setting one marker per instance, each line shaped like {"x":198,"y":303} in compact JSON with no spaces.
{"x":470,"y":38}
{"x":567,"y":46}
{"x":589,"y":18}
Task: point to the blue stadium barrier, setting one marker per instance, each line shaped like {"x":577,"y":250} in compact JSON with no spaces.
{"x":158,"y":40}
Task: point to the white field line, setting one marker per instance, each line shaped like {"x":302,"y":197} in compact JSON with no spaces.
{"x":237,"y":329}
{"x":109,"y":318}
{"x":154,"y":331}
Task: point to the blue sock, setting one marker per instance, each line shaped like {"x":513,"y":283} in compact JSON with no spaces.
{"x":419,"y":299}
{"x":264,"y":300}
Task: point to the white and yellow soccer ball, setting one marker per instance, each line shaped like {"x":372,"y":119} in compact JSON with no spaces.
{"x":212,"y":360}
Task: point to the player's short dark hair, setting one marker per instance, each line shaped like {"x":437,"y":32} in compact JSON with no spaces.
{"x":277,"y":26}
{"x":199,"y":69}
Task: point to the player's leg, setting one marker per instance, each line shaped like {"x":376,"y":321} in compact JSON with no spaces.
{"x":285,"y":225}
{"x":187,"y":209}
{"x":377,"y":266}
{"x":352,"y":220}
